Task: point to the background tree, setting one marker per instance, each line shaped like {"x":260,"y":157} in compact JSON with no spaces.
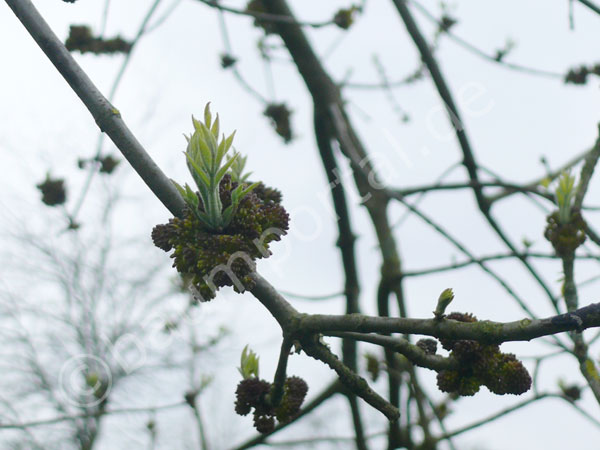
{"x":94,"y":334}
{"x":352,"y":171}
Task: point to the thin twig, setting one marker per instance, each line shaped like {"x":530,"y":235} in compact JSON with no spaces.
{"x":400,"y":345}
{"x":234,"y":69}
{"x":276,"y":393}
{"x":521,"y":302}
{"x":458,"y":265}
{"x":550,"y":176}
{"x":357,"y":384}
{"x":509,"y":187}
{"x":586,"y":173}
{"x":317,"y":440}
{"x":104,"y":17}
{"x":496,"y":416}
{"x":163,"y":18}
{"x":311,"y":297}
{"x":476,"y":51}
{"x":64,"y":418}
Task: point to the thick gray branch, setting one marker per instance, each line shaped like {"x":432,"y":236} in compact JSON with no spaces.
{"x":482,"y":331}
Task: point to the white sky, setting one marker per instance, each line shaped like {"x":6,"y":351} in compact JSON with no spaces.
{"x":175,"y":71}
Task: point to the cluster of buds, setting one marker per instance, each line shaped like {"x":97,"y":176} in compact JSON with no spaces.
{"x":81,"y":39}
{"x":252,"y":393}
{"x":280,"y":114}
{"x":228,"y":222}
{"x":579,"y":75}
{"x":481,"y":365}
{"x":257,"y":7}
{"x":566,"y":227}
{"x":106,"y":164}
{"x":344,"y":18}
{"x":53,"y":191}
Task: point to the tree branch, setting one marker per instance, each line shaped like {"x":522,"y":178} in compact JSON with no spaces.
{"x":476,"y":51}
{"x":357,"y":384}
{"x":590,"y":5}
{"x":586,"y":173}
{"x":482,"y":331}
{"x":64,"y":418}
{"x":400,"y":345}
{"x":276,"y":393}
{"x":495,"y":416}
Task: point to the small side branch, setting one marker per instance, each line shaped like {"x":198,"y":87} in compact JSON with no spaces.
{"x":444,"y":91}
{"x":477,"y":51}
{"x":586,"y":173}
{"x":280,"y":373}
{"x":493,"y":417}
{"x":483,"y":331}
{"x":73,"y":417}
{"x":553,"y":175}
{"x":400,"y":345}
{"x":350,"y":379}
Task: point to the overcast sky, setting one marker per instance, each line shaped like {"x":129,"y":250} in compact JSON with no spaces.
{"x":512,"y":118}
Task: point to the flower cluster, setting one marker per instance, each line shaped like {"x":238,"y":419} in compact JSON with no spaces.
{"x":571,"y":392}
{"x":224,"y":258}
{"x":252,"y":393}
{"x":579,"y":75}
{"x":280,"y":114}
{"x":257,"y":7}
{"x":228,"y":222}
{"x":445,"y":23}
{"x":566,"y":227}
{"x":53,"y":191}
{"x":344,"y":18}
{"x":81,"y":39}
{"x":227,"y":61}
{"x":565,"y":237}
{"x":481,"y":364}
{"x":107,"y":164}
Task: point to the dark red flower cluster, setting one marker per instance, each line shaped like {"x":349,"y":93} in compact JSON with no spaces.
{"x":53,"y":191}
{"x":252,"y":393}
{"x":280,"y":115}
{"x":565,"y":237}
{"x":579,"y":75}
{"x":225,"y":258}
{"x":481,"y":365}
{"x":81,"y":39}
